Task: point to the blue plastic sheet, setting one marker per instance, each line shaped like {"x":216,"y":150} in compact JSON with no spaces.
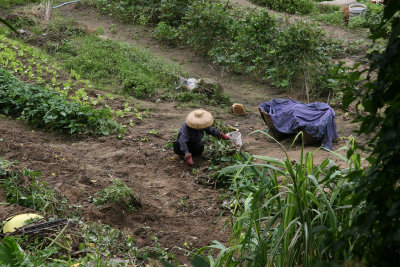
{"x":316,"y":119}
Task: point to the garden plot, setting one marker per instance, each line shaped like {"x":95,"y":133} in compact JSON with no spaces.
{"x":176,"y":213}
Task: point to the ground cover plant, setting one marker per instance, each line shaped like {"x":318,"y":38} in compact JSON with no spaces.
{"x":128,"y":69}
{"x":47,"y":109}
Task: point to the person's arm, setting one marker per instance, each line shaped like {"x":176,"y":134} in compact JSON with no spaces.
{"x":183,"y":139}
{"x":211,"y":130}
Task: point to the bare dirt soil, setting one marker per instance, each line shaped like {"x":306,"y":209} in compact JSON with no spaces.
{"x":176,"y":209}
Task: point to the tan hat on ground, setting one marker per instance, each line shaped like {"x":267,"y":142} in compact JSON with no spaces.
{"x":199,"y":119}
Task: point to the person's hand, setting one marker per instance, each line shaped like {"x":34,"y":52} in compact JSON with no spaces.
{"x":224,"y":136}
{"x":188,"y":158}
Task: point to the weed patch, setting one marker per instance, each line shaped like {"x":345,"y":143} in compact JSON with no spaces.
{"x":24,"y":187}
{"x":120,"y":193}
{"x":292,"y":6}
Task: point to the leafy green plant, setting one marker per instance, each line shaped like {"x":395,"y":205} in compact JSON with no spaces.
{"x":117,"y":192}
{"x":243,"y":41}
{"x":375,"y":229}
{"x":45,"y":108}
{"x":332,"y":18}
{"x":11,"y":254}
{"x":357,"y":22}
{"x":286,"y":213}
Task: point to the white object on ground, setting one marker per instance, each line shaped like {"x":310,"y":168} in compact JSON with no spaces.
{"x":236,"y":137}
{"x":191,"y":83}
{"x":357,"y":10}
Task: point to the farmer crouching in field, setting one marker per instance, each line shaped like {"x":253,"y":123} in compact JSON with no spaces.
{"x":189,"y":142}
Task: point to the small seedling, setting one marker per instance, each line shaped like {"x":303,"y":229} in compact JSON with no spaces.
{"x":154,"y":132}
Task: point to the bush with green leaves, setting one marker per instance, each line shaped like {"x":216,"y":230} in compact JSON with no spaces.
{"x":357,"y":22}
{"x":45,"y":108}
{"x":117,"y":192}
{"x":300,"y":56}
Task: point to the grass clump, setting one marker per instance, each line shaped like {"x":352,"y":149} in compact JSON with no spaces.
{"x":117,"y":192}
{"x":9,"y":3}
{"x":290,"y":6}
{"x":112,"y":63}
{"x":136,"y":71}
{"x":44,"y":108}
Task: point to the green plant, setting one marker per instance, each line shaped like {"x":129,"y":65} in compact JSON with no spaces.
{"x":375,"y":229}
{"x":357,"y":22}
{"x":45,"y":108}
{"x":8,"y":3}
{"x":24,"y":187}
{"x":117,"y":192}
{"x":11,"y":254}
{"x":286,"y":213}
{"x":290,"y":6}
{"x":333,"y":18}
{"x":164,"y":32}
{"x":106,"y":62}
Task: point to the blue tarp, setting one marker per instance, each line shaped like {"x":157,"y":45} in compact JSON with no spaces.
{"x":316,"y":119}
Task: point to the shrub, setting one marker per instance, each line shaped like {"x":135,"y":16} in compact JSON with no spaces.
{"x":247,"y":42}
{"x":164,"y":32}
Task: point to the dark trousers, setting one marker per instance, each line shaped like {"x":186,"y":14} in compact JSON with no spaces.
{"x":195,"y":149}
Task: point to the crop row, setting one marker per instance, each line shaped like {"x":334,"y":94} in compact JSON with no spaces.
{"x":45,"y":108}
{"x":33,"y":65}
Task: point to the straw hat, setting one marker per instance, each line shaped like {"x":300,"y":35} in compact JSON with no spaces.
{"x":199,"y":119}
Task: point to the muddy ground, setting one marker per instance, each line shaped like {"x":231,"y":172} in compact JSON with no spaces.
{"x":176,"y":209}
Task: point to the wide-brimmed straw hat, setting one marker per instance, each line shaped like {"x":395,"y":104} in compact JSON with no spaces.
{"x":199,"y":119}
